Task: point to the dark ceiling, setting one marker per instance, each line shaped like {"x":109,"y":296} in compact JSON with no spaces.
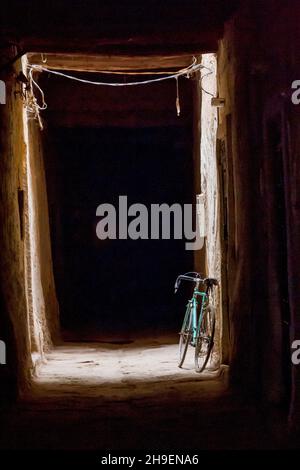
{"x":103,"y":27}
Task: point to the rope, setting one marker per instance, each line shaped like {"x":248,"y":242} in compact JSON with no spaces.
{"x":194,"y":67}
{"x":34,"y":108}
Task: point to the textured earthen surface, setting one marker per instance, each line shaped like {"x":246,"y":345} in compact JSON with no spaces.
{"x":209,"y":183}
{"x":13,"y":316}
{"x":42,"y":302}
{"x":257,"y":62}
{"x":128,"y":396}
{"x":29,"y":312}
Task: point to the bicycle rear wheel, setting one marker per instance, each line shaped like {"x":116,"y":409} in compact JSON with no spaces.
{"x":185,"y":335}
{"x":205,"y":338}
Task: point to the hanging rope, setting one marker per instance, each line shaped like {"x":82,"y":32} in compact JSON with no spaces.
{"x":34,"y":107}
{"x":202,"y":77}
{"x":31,"y":102}
{"x":194,"y":67}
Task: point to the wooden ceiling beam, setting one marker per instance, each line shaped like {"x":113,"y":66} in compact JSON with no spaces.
{"x":121,"y":63}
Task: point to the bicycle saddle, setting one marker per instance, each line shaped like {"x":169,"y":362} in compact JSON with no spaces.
{"x":211,"y":281}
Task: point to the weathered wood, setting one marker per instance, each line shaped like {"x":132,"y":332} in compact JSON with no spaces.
{"x":92,"y":63}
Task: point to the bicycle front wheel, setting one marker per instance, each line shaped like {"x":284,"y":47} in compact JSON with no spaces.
{"x":205,"y":338}
{"x":185,"y":335}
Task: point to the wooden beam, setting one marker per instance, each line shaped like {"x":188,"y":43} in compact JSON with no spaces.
{"x":122,"y":63}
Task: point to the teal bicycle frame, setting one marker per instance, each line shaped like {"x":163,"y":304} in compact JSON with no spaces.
{"x":195,"y":320}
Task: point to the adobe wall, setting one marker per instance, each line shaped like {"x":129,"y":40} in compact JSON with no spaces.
{"x":257,"y":61}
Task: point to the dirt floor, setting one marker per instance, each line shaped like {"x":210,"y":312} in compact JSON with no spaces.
{"x":133,"y":396}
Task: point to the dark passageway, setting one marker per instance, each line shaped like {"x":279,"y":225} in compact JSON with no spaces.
{"x":110,"y":286}
{"x":161,"y":103}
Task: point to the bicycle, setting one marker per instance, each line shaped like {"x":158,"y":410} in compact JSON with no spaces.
{"x":198,"y":328}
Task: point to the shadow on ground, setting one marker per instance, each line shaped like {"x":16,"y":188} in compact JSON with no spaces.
{"x":133,"y":396}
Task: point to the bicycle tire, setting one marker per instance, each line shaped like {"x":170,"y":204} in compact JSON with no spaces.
{"x":205,"y":338}
{"x":185,"y":335}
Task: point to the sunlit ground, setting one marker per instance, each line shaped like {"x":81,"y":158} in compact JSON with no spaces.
{"x":111,"y":370}
{"x":132,"y":396}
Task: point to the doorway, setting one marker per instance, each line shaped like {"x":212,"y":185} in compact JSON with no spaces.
{"x":114,"y":286}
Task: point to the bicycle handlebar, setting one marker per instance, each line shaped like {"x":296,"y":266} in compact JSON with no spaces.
{"x":184,"y":277}
{"x":209,"y":281}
